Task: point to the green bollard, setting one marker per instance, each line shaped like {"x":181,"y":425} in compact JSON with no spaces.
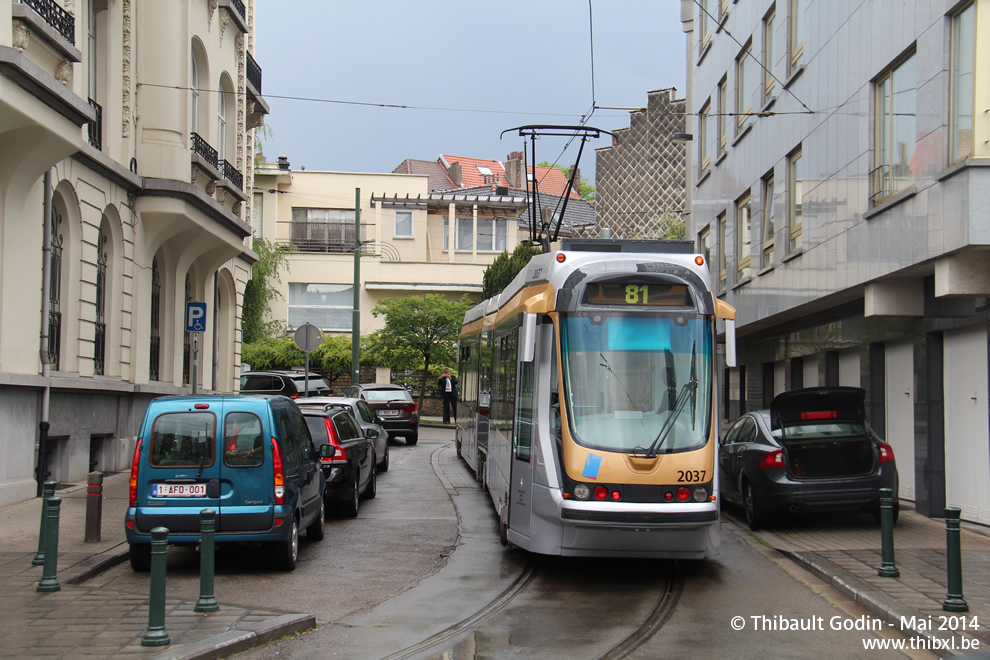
{"x":49,"y":581}
{"x":887,"y":567}
{"x":207,"y":601}
{"x":47,"y":494}
{"x":156,"y":635}
{"x":954,"y":601}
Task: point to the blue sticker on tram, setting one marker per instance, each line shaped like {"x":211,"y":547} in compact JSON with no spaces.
{"x":591,"y":466}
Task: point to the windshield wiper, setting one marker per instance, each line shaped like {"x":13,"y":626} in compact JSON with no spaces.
{"x":202,"y":461}
{"x":668,"y":424}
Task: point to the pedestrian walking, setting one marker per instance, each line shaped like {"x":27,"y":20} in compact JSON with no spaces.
{"x":447,"y":386}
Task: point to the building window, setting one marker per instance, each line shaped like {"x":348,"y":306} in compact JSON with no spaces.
{"x":327,"y":306}
{"x":257,"y":214}
{"x":769,"y":51}
{"x":795,"y":25}
{"x":795,"y":179}
{"x":745,"y":80}
{"x":491,"y":234}
{"x":705,"y":244}
{"x":222,"y":127}
{"x":323,"y":230}
{"x":705,"y":126}
{"x":962,"y":102}
{"x":465,"y":234}
{"x":404,"y":223}
{"x":704,"y":21}
{"x":769,"y":212}
{"x":894,"y":131}
{"x":723,"y":113}
{"x":721,"y":252}
{"x":723,"y":7}
{"x":744,"y":236}
{"x":446,"y":233}
{"x":194,"y":94}
{"x":100,"y":325}
{"x":154,"y":360}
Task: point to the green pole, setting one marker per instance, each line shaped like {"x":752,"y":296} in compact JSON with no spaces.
{"x":47,"y":494}
{"x":207,"y":600}
{"x":954,"y":601}
{"x":156,"y":635}
{"x":49,"y":581}
{"x":356,"y":315}
{"x":887,"y":566}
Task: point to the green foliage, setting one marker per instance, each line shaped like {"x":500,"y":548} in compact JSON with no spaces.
{"x":673,"y":227}
{"x":272,"y":353}
{"x":421,"y":328}
{"x":332,"y":358}
{"x":587,"y":191}
{"x":263,"y":132}
{"x":260,"y":292}
{"x":504,"y":268}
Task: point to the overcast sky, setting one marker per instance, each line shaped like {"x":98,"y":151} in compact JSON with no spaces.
{"x":466,"y":70}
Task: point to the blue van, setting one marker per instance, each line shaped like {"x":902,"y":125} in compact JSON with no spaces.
{"x":249,"y":458}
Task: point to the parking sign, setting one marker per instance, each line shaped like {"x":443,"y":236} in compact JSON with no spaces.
{"x":195,"y":317}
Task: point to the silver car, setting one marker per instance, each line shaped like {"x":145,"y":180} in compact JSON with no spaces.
{"x":366,"y":417}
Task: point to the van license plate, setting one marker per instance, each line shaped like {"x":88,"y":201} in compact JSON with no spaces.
{"x":178,"y":490}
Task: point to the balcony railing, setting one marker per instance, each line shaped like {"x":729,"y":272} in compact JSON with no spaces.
{"x":232,"y":174}
{"x":96,"y":127}
{"x":55,"y":16}
{"x":328,"y":237}
{"x":253,"y":73}
{"x":239,"y":6}
{"x":203,"y":148}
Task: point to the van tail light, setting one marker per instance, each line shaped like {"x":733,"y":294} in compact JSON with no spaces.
{"x":340,"y":456}
{"x":773,"y":460}
{"x":279,"y":468}
{"x":886,"y":452}
{"x":132,"y":495}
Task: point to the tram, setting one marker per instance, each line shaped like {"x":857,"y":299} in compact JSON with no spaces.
{"x":588,"y":401}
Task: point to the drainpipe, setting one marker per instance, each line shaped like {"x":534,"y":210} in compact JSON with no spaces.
{"x":46,"y":292}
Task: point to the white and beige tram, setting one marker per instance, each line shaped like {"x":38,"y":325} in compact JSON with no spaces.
{"x":588,"y":401}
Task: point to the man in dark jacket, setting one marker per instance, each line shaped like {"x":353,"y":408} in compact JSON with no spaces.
{"x":447,"y":387}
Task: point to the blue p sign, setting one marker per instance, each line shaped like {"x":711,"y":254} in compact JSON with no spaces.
{"x":195,"y":317}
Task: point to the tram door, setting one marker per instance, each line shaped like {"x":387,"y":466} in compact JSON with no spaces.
{"x":521,"y":486}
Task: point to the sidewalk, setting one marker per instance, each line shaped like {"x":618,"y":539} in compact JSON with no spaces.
{"x":80,"y":621}
{"x":847,"y":553}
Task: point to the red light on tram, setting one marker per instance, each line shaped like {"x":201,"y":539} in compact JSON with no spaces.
{"x":699,"y":260}
{"x":601,"y":492}
{"x":668,"y":496}
{"x":616,"y":495}
{"x":561,"y":257}
{"x":683,"y":494}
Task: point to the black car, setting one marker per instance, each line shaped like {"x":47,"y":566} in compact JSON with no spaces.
{"x":351,"y":472}
{"x":366,"y":418}
{"x":292,"y":384}
{"x":812,"y":451}
{"x":394,"y":405}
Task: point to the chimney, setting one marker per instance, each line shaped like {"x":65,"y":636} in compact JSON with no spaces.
{"x":577,"y":181}
{"x":283,"y":163}
{"x":515,"y":170}
{"x":454,"y":172}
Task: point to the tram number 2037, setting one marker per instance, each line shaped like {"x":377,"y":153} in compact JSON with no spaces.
{"x":690,"y":476}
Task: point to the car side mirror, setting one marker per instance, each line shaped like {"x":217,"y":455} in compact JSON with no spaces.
{"x":371,"y":434}
{"x":328,"y":451}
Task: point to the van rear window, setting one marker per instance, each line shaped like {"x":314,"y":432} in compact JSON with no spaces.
{"x":183,"y":439}
{"x":243,"y":441}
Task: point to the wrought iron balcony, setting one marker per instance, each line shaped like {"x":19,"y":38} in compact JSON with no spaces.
{"x":96,"y":127}
{"x":253,"y":73}
{"x":239,"y":6}
{"x":55,"y":16}
{"x":233,"y":175}
{"x":329,"y":238}
{"x":204,"y":150}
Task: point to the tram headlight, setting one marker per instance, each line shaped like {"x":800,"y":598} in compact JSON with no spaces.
{"x":582,"y":492}
{"x":700,"y":494}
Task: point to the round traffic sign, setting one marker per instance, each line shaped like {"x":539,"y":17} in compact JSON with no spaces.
{"x":308,"y":337}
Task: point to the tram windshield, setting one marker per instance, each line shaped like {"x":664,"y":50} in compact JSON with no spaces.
{"x":638,"y":383}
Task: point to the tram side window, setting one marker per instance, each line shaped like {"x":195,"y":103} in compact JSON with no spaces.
{"x":524,"y":416}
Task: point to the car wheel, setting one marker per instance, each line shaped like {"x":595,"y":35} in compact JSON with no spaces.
{"x":383,"y":466}
{"x":412,"y":439}
{"x":288,"y":550}
{"x":316,"y":532}
{"x":372,"y":488}
{"x":351,"y":506}
{"x":140,"y":557}
{"x":754,"y":517}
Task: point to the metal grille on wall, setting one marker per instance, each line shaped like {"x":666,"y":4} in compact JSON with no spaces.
{"x":154,"y":367}
{"x":55,"y":294}
{"x":100,"y":334}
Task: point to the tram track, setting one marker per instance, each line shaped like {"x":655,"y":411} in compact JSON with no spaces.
{"x":655,"y":620}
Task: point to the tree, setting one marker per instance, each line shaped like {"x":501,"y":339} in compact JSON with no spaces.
{"x":422,"y":326}
{"x":585,"y":189}
{"x":259,"y":292}
{"x":504,"y":268}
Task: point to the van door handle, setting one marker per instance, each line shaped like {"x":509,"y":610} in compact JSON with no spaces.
{"x":214,"y":489}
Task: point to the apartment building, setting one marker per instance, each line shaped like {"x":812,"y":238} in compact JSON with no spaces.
{"x":838,"y":183}
{"x":126,"y":128}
